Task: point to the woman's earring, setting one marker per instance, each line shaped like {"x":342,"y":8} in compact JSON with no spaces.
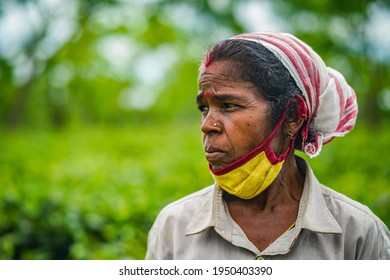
{"x":290,"y":135}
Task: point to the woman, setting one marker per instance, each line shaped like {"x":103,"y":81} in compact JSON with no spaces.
{"x":262,"y":95}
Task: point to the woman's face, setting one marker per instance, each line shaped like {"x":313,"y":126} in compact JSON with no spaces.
{"x":234,"y":117}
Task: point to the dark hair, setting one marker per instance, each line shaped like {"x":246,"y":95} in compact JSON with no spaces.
{"x":256,"y":64}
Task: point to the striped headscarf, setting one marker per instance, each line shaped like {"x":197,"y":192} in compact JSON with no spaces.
{"x":330,"y":100}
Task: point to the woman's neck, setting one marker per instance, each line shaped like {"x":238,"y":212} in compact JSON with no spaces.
{"x":286,"y":189}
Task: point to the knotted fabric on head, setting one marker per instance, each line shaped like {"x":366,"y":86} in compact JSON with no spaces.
{"x":331,"y":102}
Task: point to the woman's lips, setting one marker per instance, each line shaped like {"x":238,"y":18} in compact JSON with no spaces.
{"x":214,"y":154}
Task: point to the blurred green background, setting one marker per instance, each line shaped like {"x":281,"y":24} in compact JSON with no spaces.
{"x":98,"y":124}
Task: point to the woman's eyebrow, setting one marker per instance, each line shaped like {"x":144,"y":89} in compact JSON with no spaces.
{"x":229,"y":97}
{"x":199,"y":97}
{"x":221,"y":97}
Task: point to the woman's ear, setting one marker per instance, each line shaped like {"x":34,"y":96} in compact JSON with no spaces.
{"x":296,"y":116}
{"x":293,"y":126}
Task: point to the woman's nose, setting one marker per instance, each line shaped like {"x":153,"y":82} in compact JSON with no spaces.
{"x":210,"y":123}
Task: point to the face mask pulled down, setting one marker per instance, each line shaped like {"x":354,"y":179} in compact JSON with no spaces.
{"x":250,"y":175}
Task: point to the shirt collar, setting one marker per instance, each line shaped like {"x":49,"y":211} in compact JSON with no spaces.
{"x":313,"y":213}
{"x":208,"y":214}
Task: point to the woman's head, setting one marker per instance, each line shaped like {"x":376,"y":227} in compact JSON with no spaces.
{"x":253,"y":63}
{"x":283,"y":69}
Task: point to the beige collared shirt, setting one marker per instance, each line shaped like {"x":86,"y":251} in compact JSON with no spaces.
{"x":329,"y":226}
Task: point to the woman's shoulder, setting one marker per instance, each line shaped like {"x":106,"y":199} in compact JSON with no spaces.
{"x":199,"y":195}
{"x":188,"y":205}
{"x":360,"y":226}
{"x":340,"y":202}
{"x":349,"y":211}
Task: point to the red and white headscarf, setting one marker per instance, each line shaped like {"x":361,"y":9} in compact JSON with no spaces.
{"x":330,"y":100}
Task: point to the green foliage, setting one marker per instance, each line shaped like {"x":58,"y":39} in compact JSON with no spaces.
{"x":94,"y":193}
{"x":83,"y":78}
{"x":91,"y":194}
{"x":83,"y":175}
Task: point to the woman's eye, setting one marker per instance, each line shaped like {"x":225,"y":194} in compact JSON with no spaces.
{"x":203,"y":108}
{"x":228,"y":106}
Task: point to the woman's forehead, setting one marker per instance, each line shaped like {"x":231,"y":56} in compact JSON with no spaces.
{"x":218,"y":72}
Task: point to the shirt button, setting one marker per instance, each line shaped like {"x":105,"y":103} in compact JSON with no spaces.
{"x":259,"y":258}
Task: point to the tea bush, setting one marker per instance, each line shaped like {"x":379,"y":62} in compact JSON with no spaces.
{"x":93,"y":193}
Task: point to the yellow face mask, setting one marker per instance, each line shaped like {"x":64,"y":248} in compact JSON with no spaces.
{"x":253,"y":173}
